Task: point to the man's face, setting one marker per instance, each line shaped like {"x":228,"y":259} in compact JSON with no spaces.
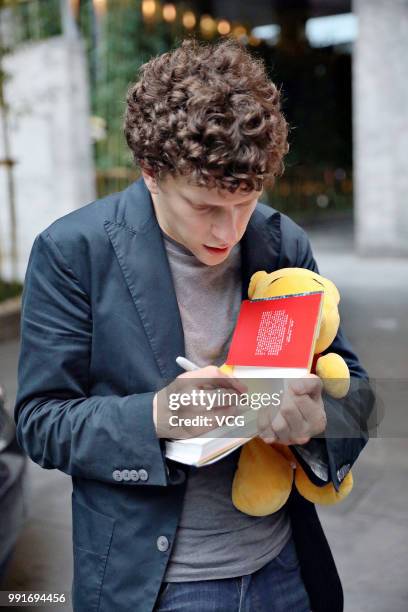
{"x":208,"y":222}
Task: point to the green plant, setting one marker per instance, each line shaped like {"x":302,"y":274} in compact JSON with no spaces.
{"x":9,"y":290}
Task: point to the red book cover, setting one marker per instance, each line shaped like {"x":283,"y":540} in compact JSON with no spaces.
{"x":277,"y":332}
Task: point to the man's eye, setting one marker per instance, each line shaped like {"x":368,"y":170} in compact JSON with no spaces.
{"x":246,"y":204}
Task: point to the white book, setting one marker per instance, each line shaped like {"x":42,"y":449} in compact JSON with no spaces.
{"x":202,"y":451}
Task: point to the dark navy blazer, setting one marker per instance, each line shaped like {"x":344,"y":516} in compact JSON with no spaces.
{"x":100,"y":333}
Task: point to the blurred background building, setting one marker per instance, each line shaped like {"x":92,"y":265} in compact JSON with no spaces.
{"x":66,"y":65}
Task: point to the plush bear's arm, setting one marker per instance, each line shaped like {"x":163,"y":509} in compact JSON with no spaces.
{"x":346,"y":433}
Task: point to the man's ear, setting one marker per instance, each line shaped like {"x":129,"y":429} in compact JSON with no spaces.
{"x":149,"y":179}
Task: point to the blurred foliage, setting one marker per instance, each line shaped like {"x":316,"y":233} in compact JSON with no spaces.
{"x":118,"y":43}
{"x":28,"y":20}
{"x":9,"y":290}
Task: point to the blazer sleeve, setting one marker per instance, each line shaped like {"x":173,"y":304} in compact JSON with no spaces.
{"x":348,"y":419}
{"x":59,"y":424}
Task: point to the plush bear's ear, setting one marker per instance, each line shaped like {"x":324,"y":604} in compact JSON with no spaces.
{"x":255,"y":279}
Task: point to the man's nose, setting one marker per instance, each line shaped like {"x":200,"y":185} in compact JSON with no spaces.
{"x":226,"y":230}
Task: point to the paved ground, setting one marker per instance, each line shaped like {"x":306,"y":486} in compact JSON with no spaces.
{"x":369,"y":531}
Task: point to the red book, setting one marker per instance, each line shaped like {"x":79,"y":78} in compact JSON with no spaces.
{"x":277,"y":332}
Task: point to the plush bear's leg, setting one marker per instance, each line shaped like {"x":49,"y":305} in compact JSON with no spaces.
{"x":263,"y":480}
{"x":326,"y":495}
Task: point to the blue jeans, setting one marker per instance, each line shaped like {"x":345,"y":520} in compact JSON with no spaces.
{"x":276,"y":587}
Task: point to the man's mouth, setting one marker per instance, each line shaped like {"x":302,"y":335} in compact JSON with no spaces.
{"x":216,"y":249}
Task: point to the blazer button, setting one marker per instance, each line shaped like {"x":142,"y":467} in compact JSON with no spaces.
{"x":117,"y":475}
{"x":125,"y":475}
{"x":162,"y":543}
{"x":134,"y":475}
{"x":143,"y":475}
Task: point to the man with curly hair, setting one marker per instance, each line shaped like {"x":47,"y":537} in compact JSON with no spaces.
{"x":114,"y":293}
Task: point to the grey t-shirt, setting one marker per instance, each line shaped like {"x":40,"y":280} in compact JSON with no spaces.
{"x":215,"y":540}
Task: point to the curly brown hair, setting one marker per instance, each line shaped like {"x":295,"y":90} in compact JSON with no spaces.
{"x":209,"y":112}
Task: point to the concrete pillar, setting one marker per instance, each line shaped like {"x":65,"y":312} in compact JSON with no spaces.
{"x":50,"y":142}
{"x":380,"y":116}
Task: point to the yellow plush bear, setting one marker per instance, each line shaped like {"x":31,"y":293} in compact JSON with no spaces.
{"x":265,"y":474}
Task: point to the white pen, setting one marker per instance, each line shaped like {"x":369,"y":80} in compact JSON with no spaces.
{"x":186,"y":364}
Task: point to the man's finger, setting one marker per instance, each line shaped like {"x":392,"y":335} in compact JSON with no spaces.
{"x":210,"y":377}
{"x":228,"y":379}
{"x":309,"y":385}
{"x":313,"y":413}
{"x":264,"y":426}
{"x":281,"y":428}
{"x":298,"y":425}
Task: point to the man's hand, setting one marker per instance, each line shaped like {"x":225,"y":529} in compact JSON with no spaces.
{"x":209,"y":380}
{"x":301,"y":415}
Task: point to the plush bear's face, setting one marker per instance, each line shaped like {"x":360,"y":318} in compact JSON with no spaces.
{"x":289,"y":281}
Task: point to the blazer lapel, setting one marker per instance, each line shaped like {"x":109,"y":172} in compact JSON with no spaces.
{"x":260,"y":246}
{"x":138,"y":244}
